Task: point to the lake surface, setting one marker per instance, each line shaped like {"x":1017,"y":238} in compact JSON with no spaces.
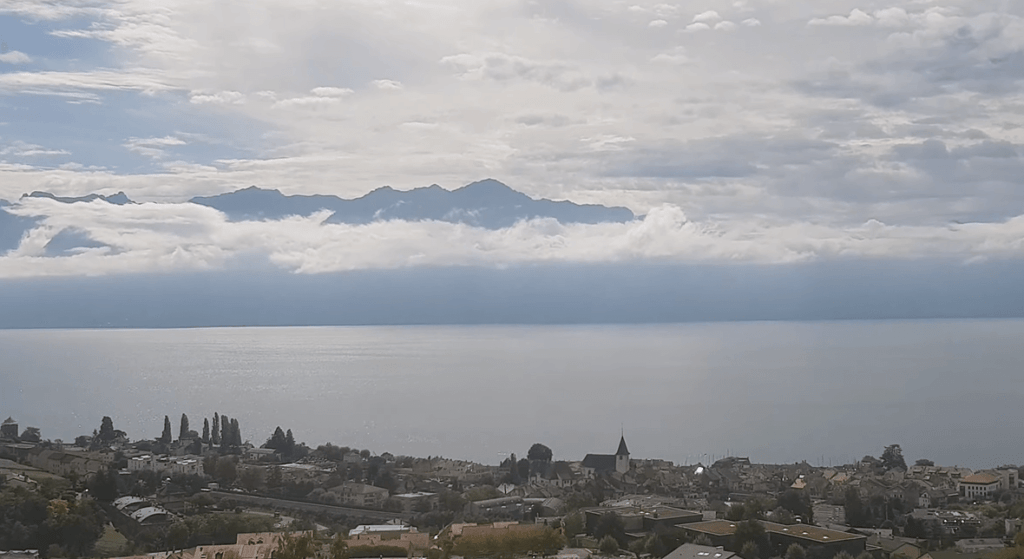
{"x":951,"y":391}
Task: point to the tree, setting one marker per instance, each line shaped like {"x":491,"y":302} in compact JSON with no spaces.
{"x":166,"y":436}
{"x":295,"y":547}
{"x":523,"y":469}
{"x":856,"y":515}
{"x":236,"y":433}
{"x":798,"y":503}
{"x":339,"y":548}
{"x":610,"y":524}
{"x":750,"y":531}
{"x":225,"y":470}
{"x":106,"y":433}
{"x":795,"y":551}
{"x":103,"y":485}
{"x":215,"y":430}
{"x":750,"y":551}
{"x":183,"y":430}
{"x":924,"y":462}
{"x":251,"y":478}
{"x":206,"y":431}
{"x":289,"y":443}
{"x":573,"y":524}
{"x":276,"y":441}
{"x":608,"y":545}
{"x":539,"y":452}
{"x":31,"y":435}
{"x":275,"y":478}
{"x":892,"y":457}
{"x":225,"y":431}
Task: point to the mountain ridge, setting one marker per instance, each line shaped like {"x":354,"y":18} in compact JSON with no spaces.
{"x":487,"y":203}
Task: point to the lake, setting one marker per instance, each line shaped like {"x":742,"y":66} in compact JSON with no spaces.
{"x":827,"y":392}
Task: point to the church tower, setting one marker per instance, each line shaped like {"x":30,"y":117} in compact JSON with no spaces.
{"x":622,"y":457}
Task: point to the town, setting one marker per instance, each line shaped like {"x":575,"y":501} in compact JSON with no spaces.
{"x":204,"y":493}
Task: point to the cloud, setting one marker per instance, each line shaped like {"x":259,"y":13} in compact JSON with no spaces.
{"x":219,"y":98}
{"x":330,"y":91}
{"x":153,"y":147}
{"x":19,"y":148}
{"x":387,"y":84}
{"x":751,"y":22}
{"x":708,"y":17}
{"x":725,"y":26}
{"x":694,"y":27}
{"x":856,"y":17}
{"x":657,"y":23}
{"x":175,"y":237}
{"x":15,"y":57}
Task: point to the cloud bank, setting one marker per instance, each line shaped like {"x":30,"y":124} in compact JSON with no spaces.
{"x":168,"y":237}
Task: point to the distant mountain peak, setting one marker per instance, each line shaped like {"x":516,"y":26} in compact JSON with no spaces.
{"x":119,"y":199}
{"x":486,"y":203}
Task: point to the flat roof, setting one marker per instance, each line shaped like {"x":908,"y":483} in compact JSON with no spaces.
{"x":802,"y":531}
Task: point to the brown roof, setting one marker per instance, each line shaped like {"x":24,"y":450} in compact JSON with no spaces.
{"x":983,"y":479}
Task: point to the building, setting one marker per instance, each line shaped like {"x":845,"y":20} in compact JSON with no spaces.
{"x":781,"y":536}
{"x":9,"y":429}
{"x":246,"y":546}
{"x":361,"y":495}
{"x":184,"y":465}
{"x":391,"y":535}
{"x":502,"y":507}
{"x":419,"y":501}
{"x":599,"y":464}
{"x":694,"y":551}
{"x":639,"y":520}
{"x":979,"y":486}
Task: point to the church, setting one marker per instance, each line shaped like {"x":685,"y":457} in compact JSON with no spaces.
{"x":599,"y":464}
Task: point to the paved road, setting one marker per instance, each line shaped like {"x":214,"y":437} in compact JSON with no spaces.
{"x":271,"y":502}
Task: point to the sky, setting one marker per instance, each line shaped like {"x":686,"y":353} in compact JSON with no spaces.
{"x":765,"y":131}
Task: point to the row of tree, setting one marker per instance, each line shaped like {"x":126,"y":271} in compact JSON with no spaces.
{"x":225,"y":431}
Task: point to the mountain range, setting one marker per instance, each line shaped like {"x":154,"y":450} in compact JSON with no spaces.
{"x":488,"y":203}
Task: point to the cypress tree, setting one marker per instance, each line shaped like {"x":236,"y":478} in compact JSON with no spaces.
{"x":206,"y":431}
{"x":166,"y":436}
{"x":225,"y":431}
{"x":215,"y":431}
{"x":236,"y":433}
{"x":183,"y":430}
{"x":289,"y":443}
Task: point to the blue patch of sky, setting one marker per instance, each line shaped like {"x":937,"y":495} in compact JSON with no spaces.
{"x":96,"y":134}
{"x":52,"y":53}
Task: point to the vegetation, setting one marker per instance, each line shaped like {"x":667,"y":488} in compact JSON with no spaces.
{"x":892,"y":457}
{"x":608,"y":545}
{"x":29,"y":520}
{"x":544,"y":541}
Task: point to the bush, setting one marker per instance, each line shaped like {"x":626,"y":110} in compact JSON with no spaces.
{"x":608,"y":545}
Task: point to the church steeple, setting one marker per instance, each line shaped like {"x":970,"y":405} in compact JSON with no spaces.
{"x":623,"y":451}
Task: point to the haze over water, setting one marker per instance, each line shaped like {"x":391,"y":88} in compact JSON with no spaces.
{"x":949,"y":391}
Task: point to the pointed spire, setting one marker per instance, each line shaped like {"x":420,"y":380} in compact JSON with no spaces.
{"x":623,"y":451}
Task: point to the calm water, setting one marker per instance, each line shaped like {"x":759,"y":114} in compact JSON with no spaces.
{"x":951,"y":391}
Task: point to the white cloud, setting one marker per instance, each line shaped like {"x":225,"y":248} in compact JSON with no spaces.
{"x":387,"y":84}
{"x":709,"y":17}
{"x":751,"y":22}
{"x":19,"y":148}
{"x":153,"y":147}
{"x":856,"y":17}
{"x":725,"y":26}
{"x":219,"y":98}
{"x":657,"y":23}
{"x":15,"y":57}
{"x":697,"y":27}
{"x":166,"y":237}
{"x":330,"y":91}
